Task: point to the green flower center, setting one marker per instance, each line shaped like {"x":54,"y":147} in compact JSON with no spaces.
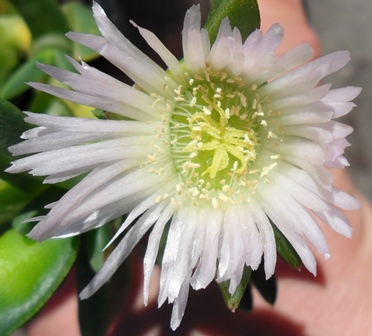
{"x":215,"y":129}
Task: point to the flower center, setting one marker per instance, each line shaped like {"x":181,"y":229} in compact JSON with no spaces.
{"x":215,"y":133}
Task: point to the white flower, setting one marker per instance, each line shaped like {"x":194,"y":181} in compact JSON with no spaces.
{"x":216,"y":145}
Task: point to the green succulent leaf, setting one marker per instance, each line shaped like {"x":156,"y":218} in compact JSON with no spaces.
{"x":267,"y":288}
{"x":243,"y":14}
{"x":8,"y":60}
{"x":29,"y":274}
{"x":12,"y":200}
{"x":28,"y":72}
{"x":96,"y":241}
{"x":18,"y":222}
{"x":11,"y":128}
{"x":51,"y":19}
{"x":246,"y":302}
{"x":42,"y":194}
{"x":232,"y":301}
{"x":286,"y":250}
{"x":98,"y":312}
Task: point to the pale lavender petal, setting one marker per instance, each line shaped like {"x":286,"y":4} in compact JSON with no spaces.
{"x":336,"y":220}
{"x":340,"y":99}
{"x":307,"y":76}
{"x":120,"y":253}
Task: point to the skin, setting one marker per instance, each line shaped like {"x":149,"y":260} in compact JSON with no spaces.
{"x":336,"y":302}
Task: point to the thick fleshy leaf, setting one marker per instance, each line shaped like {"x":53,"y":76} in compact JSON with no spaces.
{"x":81,"y":20}
{"x":285,"y":250}
{"x":243,"y":14}
{"x":97,"y":240}
{"x":29,"y":274}
{"x":29,"y":72}
{"x":267,"y":288}
{"x":11,"y":128}
{"x":97,"y":313}
{"x":52,"y":19}
{"x":8,"y":60}
{"x":246,"y":302}
{"x":12,"y":200}
{"x":42,"y":194}
{"x":232,"y":301}
{"x":18,"y":222}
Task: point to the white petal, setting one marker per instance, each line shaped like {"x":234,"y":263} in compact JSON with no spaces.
{"x":344,"y":200}
{"x":303,"y":195}
{"x":141,"y":69}
{"x":294,"y":238}
{"x":339,"y":100}
{"x":73,"y":124}
{"x":320,"y":174}
{"x":336,"y":220}
{"x":206,"y":269}
{"x":153,"y":248}
{"x":120,"y":253}
{"x":267,"y":234}
{"x":54,"y":141}
{"x":232,"y":249}
{"x":307,"y":76}
{"x":144,"y":72}
{"x":291,"y":59}
{"x":220,"y":55}
{"x":97,"y":102}
{"x":73,"y":198}
{"x":182,"y":263}
{"x":101,"y":216}
{"x":303,"y":149}
{"x":180,"y":302}
{"x":170,"y":254}
{"x":271,"y":40}
{"x":299,"y":219}
{"x":82,"y":157}
{"x":142,"y":207}
{"x":324,"y":134}
{"x":170,"y":60}
{"x":297,"y":99}
{"x":193,"y":41}
{"x":95,"y":83}
{"x":253,"y":240}
{"x":134,"y":182}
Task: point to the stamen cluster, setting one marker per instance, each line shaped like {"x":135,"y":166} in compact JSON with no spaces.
{"x":215,"y":129}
